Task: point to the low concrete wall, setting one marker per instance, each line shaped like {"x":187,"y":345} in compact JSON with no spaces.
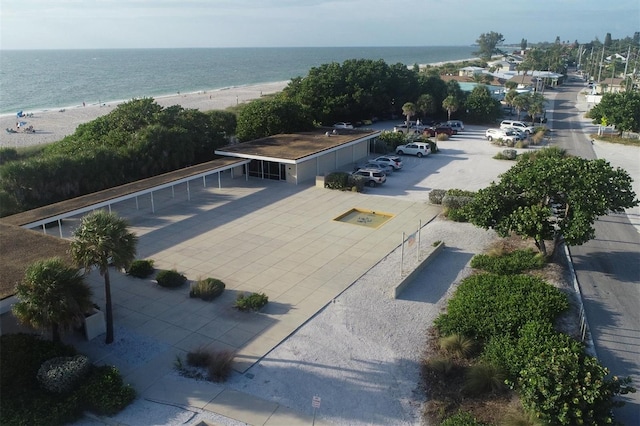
{"x":409,"y":278}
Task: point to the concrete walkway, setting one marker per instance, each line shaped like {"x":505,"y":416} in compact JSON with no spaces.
{"x":256,"y":236}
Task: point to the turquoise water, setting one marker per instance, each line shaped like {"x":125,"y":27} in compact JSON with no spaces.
{"x":52,"y":79}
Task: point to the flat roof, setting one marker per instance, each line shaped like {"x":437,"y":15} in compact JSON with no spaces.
{"x":56,"y":209}
{"x":21,"y":247}
{"x":293,"y":148}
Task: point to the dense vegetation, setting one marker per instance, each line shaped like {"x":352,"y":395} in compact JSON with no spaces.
{"x":548,"y":194}
{"x":138,"y":139}
{"x":497,"y":338}
{"x":25,"y":400}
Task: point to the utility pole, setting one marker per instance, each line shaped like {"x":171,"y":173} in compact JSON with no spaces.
{"x":601,"y":63}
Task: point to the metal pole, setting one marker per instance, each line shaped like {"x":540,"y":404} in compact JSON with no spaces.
{"x":60,"y":227}
{"x":153,"y":207}
{"x":188,"y":192}
{"x":402,"y":255}
{"x":418,"y":249}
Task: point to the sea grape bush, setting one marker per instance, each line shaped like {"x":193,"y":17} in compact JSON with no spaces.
{"x":486,"y":305}
{"x":566,"y":387}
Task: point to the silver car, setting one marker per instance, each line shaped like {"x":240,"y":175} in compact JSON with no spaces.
{"x":391,"y":160}
{"x":384,"y":168}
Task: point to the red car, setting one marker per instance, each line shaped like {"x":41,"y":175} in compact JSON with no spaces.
{"x":433,"y":131}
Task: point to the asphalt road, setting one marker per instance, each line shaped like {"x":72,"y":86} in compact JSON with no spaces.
{"x":607,"y":267}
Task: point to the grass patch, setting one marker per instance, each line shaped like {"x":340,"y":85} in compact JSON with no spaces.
{"x":616,"y":139}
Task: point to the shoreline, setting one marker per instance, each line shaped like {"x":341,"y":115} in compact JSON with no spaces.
{"x":53,"y":125}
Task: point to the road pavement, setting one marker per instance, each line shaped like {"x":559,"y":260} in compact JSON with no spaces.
{"x":607,"y":267}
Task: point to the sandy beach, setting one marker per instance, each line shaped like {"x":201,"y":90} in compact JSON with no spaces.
{"x":53,"y":125}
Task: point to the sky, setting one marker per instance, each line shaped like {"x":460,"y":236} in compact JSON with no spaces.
{"x":97,"y":24}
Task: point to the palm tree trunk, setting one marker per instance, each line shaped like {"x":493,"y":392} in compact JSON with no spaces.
{"x":108,"y":307}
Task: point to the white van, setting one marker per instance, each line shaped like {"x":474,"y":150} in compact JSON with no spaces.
{"x":504,"y":124}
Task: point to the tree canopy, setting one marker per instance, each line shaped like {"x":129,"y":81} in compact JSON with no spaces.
{"x":579,"y":190}
{"x":620,"y":109}
{"x":52,"y":295}
{"x":266,"y":117}
{"x":487,"y":45}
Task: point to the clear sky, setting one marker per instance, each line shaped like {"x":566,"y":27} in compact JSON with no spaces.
{"x":86,"y":24}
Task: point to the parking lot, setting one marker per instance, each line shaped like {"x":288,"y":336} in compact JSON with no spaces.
{"x":465,"y":162}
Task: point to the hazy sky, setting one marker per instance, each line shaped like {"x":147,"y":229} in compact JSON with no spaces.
{"x":82,"y":24}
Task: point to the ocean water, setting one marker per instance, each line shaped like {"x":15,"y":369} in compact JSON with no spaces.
{"x":35,"y":80}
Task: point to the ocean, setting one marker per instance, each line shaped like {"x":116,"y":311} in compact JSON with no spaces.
{"x":37,"y":80}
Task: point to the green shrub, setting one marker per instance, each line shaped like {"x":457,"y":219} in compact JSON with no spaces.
{"x":461,"y":418}
{"x":484,"y":378}
{"x":456,"y":215}
{"x":513,"y":353}
{"x":141,"y":268}
{"x":170,"y":278}
{"x":252,"y":302}
{"x":433,"y":146}
{"x":8,"y":154}
{"x":104,"y":393}
{"x":486,"y":305}
{"x":207,"y":289}
{"x":565,"y":387}
{"x":21,"y":355}
{"x":337,"y":180}
{"x":61,"y":374}
{"x":357,"y":182}
{"x":41,"y":408}
{"x":456,"y":201}
{"x":436,"y":196}
{"x":511,"y":263}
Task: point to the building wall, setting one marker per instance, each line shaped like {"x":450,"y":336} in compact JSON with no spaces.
{"x":340,"y":159}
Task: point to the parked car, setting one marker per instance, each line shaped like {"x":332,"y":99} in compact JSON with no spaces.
{"x":505,"y":135}
{"x":456,"y":125}
{"x":521,"y":134}
{"x":419,"y":149}
{"x":371,"y":177}
{"x":518,"y":125}
{"x":391,"y":160}
{"x":436,"y":130}
{"x":384,"y":168}
{"x":343,"y":125}
{"x":403,"y":128}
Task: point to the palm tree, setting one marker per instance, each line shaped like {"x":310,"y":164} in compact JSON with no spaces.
{"x":451,"y":104}
{"x":52,"y":294}
{"x":409,"y":109}
{"x":103,"y":239}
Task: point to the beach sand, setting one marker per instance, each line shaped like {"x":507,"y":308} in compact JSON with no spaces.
{"x":53,"y":125}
